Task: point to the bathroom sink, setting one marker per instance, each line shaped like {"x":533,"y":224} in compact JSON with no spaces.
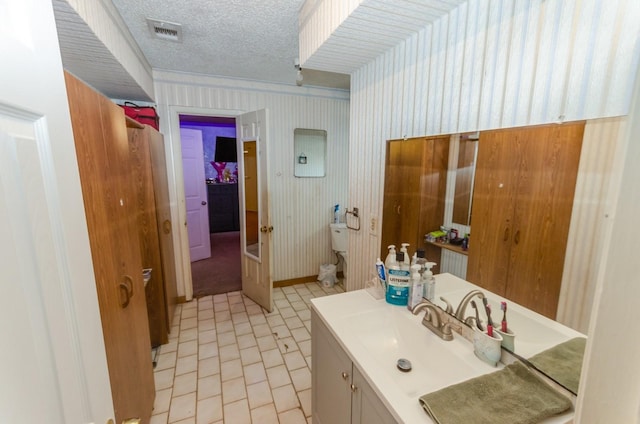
{"x":394,"y":333}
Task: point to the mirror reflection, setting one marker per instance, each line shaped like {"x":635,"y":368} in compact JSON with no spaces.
{"x":515,"y":166}
{"x":465,"y":171}
{"x":309,"y":151}
{"x":252,"y":235}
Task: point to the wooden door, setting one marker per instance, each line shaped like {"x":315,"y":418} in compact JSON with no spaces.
{"x":546,"y":175}
{"x":145,"y":205}
{"x":103,"y":161}
{"x":492,"y":218}
{"x":163,"y":219}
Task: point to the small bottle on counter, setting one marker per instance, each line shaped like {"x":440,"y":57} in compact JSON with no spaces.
{"x":416,"y":290}
{"x":429,"y":281}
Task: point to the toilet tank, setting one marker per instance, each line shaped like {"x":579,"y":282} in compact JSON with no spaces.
{"x":339,"y":236}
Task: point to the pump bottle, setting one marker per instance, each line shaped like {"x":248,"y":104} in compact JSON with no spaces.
{"x":417,"y":287}
{"x":429,"y":281}
{"x":407,"y":257}
{"x":391,"y":257}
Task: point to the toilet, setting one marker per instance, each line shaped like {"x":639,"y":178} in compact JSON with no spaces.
{"x":339,"y":241}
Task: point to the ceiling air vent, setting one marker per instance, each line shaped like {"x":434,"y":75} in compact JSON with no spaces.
{"x":165,"y":30}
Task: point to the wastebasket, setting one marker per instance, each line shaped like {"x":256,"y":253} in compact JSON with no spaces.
{"x":327,"y":275}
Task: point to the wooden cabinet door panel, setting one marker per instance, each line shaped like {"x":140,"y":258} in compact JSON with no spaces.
{"x":102,"y":151}
{"x":165,"y":228}
{"x":542,"y":214}
{"x":491,"y":216}
{"x":414,"y":190}
{"x":145,"y":208}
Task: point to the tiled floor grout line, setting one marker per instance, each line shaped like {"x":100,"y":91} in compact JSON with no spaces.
{"x":229,"y":361}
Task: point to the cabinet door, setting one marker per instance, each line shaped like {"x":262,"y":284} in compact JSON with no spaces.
{"x":163,"y":218}
{"x":366,"y":405}
{"x":330,"y":377}
{"x":414,"y":190}
{"x":492,"y":214}
{"x":547,"y":172}
{"x":103,"y":161}
{"x":145,"y":202}
{"x":522,"y":202}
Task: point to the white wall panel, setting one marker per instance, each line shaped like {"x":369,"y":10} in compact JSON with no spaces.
{"x":96,"y":26}
{"x":300,"y":208}
{"x":487,"y":64}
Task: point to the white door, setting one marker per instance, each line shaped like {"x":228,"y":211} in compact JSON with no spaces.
{"x":195,"y":193}
{"x":255,"y":227}
{"x":52,"y":362}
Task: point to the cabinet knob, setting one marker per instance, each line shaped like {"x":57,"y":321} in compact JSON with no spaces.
{"x":354,"y":388}
{"x":345,"y":375}
{"x":126,"y":287}
{"x":203,"y":203}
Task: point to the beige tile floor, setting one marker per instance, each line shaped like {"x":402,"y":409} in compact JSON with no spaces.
{"x":228,"y":361}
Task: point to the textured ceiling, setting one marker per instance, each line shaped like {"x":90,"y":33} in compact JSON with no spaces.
{"x":250,"y":39}
{"x":256,"y":40}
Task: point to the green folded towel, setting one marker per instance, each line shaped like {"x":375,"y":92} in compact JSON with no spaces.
{"x":513,"y":395}
{"x":563,"y":362}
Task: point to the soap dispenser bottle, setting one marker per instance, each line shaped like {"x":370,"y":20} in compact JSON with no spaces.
{"x":429,"y":281}
{"x":391,"y":257}
{"x":403,"y":249}
{"x":416,"y":290}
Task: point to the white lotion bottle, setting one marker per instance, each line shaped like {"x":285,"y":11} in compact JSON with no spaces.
{"x":429,"y":281}
{"x":391,"y":257}
{"x":417,"y":287}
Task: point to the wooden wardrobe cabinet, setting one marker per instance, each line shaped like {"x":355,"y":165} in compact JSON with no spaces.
{"x":522,"y":201}
{"x":149,"y":180}
{"x":414,"y":192}
{"x":102,"y":151}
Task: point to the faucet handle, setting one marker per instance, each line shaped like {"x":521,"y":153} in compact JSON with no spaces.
{"x":449,"y":308}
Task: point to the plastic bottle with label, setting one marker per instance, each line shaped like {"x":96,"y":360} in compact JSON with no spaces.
{"x":429,"y":281}
{"x":398,"y":282}
{"x":416,"y":290}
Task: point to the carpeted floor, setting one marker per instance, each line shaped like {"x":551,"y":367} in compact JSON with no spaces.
{"x":221,"y":272}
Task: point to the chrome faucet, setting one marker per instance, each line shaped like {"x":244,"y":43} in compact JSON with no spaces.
{"x":433,"y":320}
{"x":462,"y":307}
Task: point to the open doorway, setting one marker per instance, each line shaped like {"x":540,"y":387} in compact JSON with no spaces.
{"x":211,"y":173}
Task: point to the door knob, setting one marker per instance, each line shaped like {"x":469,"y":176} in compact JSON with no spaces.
{"x":203,"y":203}
{"x":265,"y":229}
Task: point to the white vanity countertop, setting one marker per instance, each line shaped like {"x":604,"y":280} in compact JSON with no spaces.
{"x":376,"y":334}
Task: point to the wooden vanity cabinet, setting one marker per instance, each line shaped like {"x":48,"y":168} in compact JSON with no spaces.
{"x":414,"y":191}
{"x":522,"y":202}
{"x":104,"y":166}
{"x":149,"y":180}
{"x":339,"y":392}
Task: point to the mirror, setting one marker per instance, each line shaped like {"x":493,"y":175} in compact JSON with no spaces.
{"x":309,"y":152}
{"x":251,"y":221}
{"x":464,"y":176}
{"x":461,"y":184}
